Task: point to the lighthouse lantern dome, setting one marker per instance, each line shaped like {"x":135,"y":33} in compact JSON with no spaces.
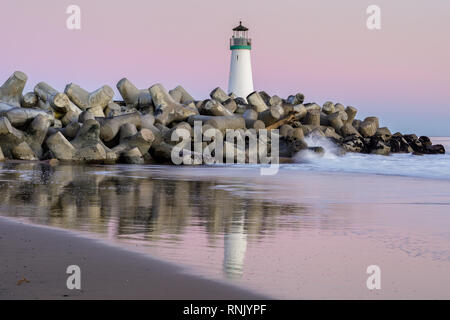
{"x":240,"y":39}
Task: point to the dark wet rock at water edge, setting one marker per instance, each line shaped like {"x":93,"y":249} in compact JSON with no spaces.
{"x":79,"y":125}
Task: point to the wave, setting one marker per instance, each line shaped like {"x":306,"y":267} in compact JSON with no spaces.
{"x":426,"y":166}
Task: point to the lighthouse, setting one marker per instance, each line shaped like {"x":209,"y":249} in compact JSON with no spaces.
{"x":241,"y":81}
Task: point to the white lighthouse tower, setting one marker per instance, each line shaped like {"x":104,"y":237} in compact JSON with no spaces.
{"x":241,"y":81}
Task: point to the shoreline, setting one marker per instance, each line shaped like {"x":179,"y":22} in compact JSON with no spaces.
{"x":42,"y":254}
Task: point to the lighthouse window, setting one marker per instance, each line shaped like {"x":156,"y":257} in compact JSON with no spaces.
{"x":237,"y":57}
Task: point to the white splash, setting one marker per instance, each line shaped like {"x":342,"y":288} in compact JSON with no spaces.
{"x":427,"y":166}
{"x":331,"y":150}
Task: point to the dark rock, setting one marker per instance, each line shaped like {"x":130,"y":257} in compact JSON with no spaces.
{"x":425,"y":141}
{"x":415,"y":143}
{"x":381,"y":148}
{"x":354,"y":144}
{"x":317,"y":150}
{"x":435,"y":149}
{"x":399,"y":144}
{"x":290,"y":146}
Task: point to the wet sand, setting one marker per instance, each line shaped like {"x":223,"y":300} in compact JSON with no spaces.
{"x":41,"y":255}
{"x":302,"y":234}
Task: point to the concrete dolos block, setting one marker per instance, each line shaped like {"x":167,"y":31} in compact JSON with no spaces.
{"x":72,"y":114}
{"x":89,"y":147}
{"x":9,"y":137}
{"x":22,"y":116}
{"x":23,"y":152}
{"x":257,"y":102}
{"x":133,"y":156}
{"x":111,"y":126}
{"x":335,"y":120}
{"x":57,"y":100}
{"x":271,"y":115}
{"x":29,"y":100}
{"x":351,"y":114}
{"x":182,"y":96}
{"x":219,"y":95}
{"x":313,"y":118}
{"x":61,"y":148}
{"x":78,"y":96}
{"x":296,"y":99}
{"x":328,"y":108}
{"x":369,"y":126}
{"x":226,"y":122}
{"x":348,"y":130}
{"x":36,"y":133}
{"x":215,"y":108}
{"x":11,"y":90}
{"x":141,"y":140}
{"x":167,"y":110}
{"x":133,"y":96}
{"x":96,"y":100}
{"x":100,"y":97}
{"x":5,"y":107}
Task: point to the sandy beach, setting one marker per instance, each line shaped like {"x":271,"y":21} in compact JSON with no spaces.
{"x":309,"y":232}
{"x":41,"y":255}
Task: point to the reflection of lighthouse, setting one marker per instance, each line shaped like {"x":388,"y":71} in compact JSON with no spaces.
{"x":241,"y":81}
{"x":235,"y":247}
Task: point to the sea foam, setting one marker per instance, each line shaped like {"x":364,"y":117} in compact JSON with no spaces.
{"x":426,"y":166}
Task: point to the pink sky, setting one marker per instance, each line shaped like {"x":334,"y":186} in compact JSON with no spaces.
{"x":321,"y":48}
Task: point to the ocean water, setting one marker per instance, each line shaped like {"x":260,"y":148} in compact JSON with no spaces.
{"x":408,"y":165}
{"x":309,"y":231}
